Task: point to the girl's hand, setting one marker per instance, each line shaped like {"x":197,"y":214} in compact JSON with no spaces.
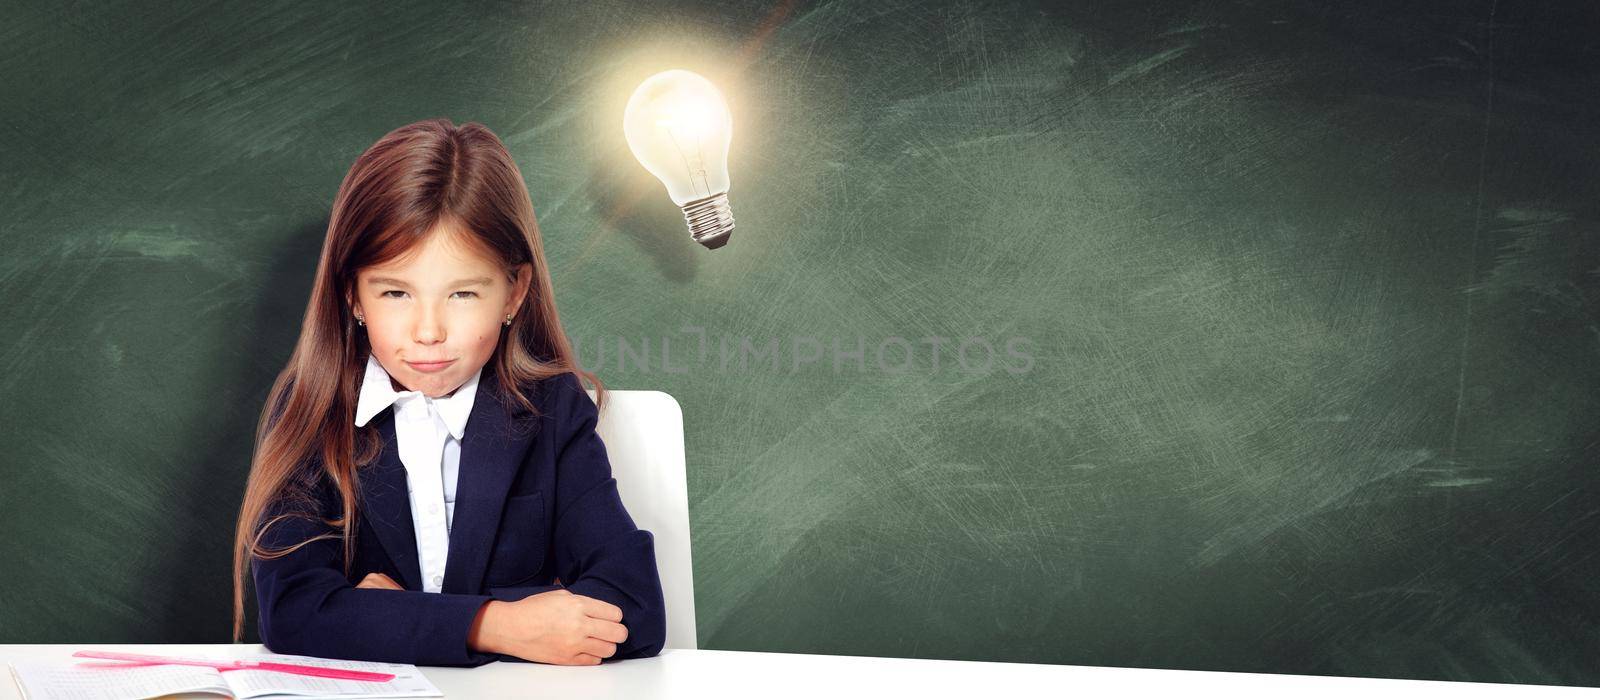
{"x":554,"y":627}
{"x":376,"y":580}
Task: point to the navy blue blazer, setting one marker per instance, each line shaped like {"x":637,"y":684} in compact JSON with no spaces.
{"x":535,"y":501}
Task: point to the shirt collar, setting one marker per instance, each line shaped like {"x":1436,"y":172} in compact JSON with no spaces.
{"x":377,"y":393}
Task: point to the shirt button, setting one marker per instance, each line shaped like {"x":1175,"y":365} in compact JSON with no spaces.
{"x":438,"y":580}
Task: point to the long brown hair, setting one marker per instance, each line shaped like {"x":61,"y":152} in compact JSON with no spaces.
{"x":394,"y":195}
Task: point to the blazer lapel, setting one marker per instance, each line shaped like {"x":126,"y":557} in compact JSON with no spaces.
{"x":492,"y":450}
{"x":386,"y":503}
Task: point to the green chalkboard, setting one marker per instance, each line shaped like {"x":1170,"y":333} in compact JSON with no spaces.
{"x":1222,"y":335}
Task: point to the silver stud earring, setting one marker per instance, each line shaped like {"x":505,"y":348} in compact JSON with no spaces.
{"x":360,"y":321}
{"x":508,"y":319}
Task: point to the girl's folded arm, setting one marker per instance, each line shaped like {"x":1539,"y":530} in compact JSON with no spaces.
{"x":307,"y":606}
{"x":599,"y":551}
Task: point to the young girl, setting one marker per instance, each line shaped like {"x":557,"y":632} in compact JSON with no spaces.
{"x":427,"y":485}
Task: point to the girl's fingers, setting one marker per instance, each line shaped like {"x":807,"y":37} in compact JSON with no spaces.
{"x":606,"y":630}
{"x":586,"y":660}
{"x":377,"y":580}
{"x":594,"y":607}
{"x":598,"y":647}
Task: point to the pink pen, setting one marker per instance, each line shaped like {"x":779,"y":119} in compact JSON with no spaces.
{"x":153,"y":659}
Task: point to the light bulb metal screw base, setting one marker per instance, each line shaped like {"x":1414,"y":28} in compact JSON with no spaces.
{"x":710,"y":220}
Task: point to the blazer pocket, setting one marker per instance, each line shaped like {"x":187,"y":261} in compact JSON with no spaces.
{"x":519,"y":547}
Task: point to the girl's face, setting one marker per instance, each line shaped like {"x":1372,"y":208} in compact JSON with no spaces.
{"x":445,"y":302}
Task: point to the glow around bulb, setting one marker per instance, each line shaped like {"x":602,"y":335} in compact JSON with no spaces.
{"x":677,"y":125}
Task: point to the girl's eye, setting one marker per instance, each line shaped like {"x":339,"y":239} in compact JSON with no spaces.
{"x":396,"y":291}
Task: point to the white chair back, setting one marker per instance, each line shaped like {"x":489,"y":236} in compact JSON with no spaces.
{"x":643,"y":433}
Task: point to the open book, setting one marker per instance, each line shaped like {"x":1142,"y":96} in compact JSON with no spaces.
{"x":109,"y":680}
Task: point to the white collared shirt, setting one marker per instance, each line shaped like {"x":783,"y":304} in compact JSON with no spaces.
{"x":428,"y":434}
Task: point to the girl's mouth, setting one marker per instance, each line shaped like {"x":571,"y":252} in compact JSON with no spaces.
{"x":429,"y":366}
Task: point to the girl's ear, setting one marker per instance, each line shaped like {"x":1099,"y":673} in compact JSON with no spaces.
{"x":519,"y":290}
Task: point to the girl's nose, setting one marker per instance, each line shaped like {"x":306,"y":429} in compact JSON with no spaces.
{"x":430,"y":327}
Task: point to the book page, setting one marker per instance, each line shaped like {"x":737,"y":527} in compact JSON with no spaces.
{"x":55,"y":680}
{"x":408,"y":682}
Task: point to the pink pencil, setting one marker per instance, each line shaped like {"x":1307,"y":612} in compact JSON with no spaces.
{"x":153,"y":659}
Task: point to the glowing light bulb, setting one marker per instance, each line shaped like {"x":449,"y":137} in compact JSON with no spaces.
{"x":678,"y":126}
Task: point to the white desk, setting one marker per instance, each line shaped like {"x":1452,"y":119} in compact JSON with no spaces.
{"x":684,"y":673}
